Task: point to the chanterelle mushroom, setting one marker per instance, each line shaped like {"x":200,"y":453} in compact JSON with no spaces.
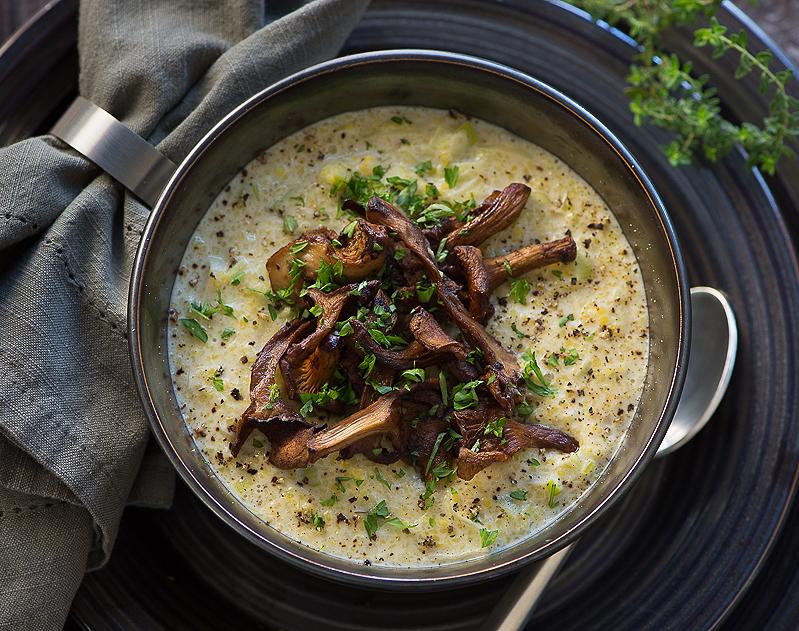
{"x":502,"y":210}
{"x":266,"y":403}
{"x":359,"y":249}
{"x":403,"y":371}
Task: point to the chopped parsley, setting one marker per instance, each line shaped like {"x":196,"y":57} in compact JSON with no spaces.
{"x":423,"y":168}
{"x":318,"y":522}
{"x":425,"y":292}
{"x":340,"y":480}
{"x":533,"y":376}
{"x":518,"y":494}
{"x":414,"y":375}
{"x":195,"y":328}
{"x":228,"y":333}
{"x":298,"y":247}
{"x":375,"y":517}
{"x":329,"y":501}
{"x":367,"y":364}
{"x":495,"y":427}
{"x":442,"y":383}
{"x":451,"y":175}
{"x":552,"y":492}
{"x":570,"y":357}
{"x":487,"y":537}
{"x":236,"y":278}
{"x":433,"y":453}
{"x":216,"y":379}
{"x":381,"y":479}
{"x":567,"y":318}
{"x":519,"y":334}
{"x":399,"y":120}
{"x":289,"y":224}
{"x":519,"y":289}
{"x":464,"y":395}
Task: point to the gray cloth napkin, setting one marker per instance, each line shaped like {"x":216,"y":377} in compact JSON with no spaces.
{"x":74,"y":443}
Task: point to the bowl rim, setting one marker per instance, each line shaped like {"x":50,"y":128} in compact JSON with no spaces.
{"x":355,"y":573}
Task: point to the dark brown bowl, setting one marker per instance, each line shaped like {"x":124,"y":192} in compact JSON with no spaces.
{"x":479,"y":88}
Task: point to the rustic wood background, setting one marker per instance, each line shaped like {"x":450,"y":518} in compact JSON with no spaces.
{"x":779,"y":18}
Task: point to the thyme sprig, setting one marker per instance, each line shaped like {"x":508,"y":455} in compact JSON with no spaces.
{"x":665,"y":91}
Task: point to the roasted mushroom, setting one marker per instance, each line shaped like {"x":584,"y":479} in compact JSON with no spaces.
{"x":498,"y":212}
{"x":330,"y":351}
{"x":267,"y":406}
{"x":514,"y":436}
{"x":381,"y":417}
{"x":361,"y":252}
{"x":306,"y":366}
{"x":477,"y":281}
{"x":528,"y":258}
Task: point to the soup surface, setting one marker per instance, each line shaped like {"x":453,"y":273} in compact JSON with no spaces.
{"x":587,"y":322}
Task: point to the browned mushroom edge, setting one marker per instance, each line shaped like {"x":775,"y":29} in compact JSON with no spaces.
{"x":387,"y":335}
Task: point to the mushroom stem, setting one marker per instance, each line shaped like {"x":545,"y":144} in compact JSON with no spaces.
{"x":500,"y":210}
{"x":528,"y":258}
{"x":378,"y":418}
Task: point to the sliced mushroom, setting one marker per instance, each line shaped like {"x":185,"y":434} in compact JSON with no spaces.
{"x":301,"y":359}
{"x":364,"y":253}
{"x":266,"y":403}
{"x":528,"y":258}
{"x":427,"y":331}
{"x":414,"y":355}
{"x":477,"y":281}
{"x":498,"y":214}
{"x":318,"y":247}
{"x":515,"y":437}
{"x":361,"y":254}
{"x":381,"y":417}
{"x":497,"y":357}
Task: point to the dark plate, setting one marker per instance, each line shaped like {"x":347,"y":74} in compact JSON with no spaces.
{"x":692,"y":536}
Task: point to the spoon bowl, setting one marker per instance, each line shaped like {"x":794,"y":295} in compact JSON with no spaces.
{"x":714,"y":344}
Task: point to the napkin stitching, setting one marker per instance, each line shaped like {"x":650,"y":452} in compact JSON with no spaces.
{"x":67,"y":433}
{"x":58,"y":250}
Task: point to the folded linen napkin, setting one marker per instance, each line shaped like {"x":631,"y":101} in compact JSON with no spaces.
{"x":74,"y":443}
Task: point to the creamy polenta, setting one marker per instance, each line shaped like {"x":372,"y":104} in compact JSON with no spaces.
{"x":587,"y":322}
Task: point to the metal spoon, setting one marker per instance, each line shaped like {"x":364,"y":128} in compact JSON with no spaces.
{"x":713,"y":348}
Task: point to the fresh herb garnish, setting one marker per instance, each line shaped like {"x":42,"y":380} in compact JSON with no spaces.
{"x":487,"y":537}
{"x":519,"y":494}
{"x":375,"y":517}
{"x":329,"y":501}
{"x":464,"y":395}
{"x":565,"y":319}
{"x":367,"y":364}
{"x":533,"y":376}
{"x":289,"y":224}
{"x":665,"y":91}
{"x":228,"y":333}
{"x":519,"y":334}
{"x":195,"y":328}
{"x":495,"y":427}
{"x":423,"y":168}
{"x":381,"y":479}
{"x":552,"y":492}
{"x":451,"y":175}
{"x":318,"y":522}
{"x":519,"y":289}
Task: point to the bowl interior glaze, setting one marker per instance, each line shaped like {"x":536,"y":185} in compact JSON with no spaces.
{"x":475,"y":87}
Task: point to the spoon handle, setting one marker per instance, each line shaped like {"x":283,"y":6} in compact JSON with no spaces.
{"x":519,"y":602}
